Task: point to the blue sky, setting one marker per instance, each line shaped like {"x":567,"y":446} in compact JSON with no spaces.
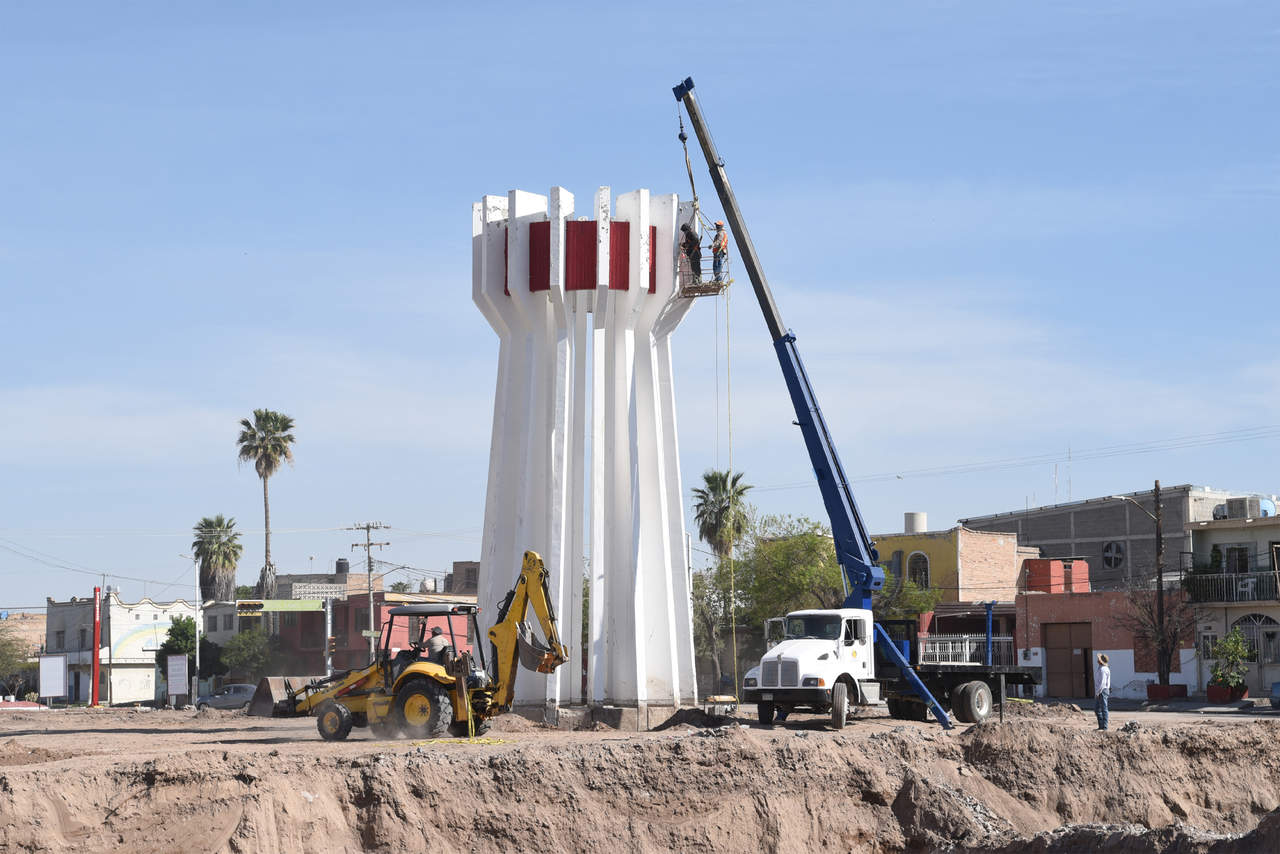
{"x":999,"y":230}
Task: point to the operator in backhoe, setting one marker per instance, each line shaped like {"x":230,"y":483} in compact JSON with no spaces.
{"x":439,"y":649}
{"x":719,"y":251}
{"x":692,"y":250}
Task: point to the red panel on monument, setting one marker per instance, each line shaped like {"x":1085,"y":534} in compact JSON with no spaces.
{"x":653,"y":259}
{"x":619,"y":255}
{"x":580,"y":255}
{"x":539,"y":256}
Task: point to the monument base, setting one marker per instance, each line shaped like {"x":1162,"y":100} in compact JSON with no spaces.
{"x":636,"y":718}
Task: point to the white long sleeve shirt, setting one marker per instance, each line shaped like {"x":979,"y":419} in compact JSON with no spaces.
{"x":1104,"y":678}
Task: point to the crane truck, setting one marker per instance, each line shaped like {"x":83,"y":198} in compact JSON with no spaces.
{"x":831,"y":659}
{"x":402,"y":693}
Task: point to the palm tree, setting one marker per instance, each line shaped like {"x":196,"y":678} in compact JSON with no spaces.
{"x":265,"y":441}
{"x":721,"y":522}
{"x":217,"y":548}
{"x":719,"y":511}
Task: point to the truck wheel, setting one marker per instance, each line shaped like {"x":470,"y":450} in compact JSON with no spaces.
{"x":977,"y":702}
{"x":333,"y":720}
{"x":960,"y":702}
{"x":422,"y":708}
{"x":764,"y":712}
{"x":839,"y":704}
{"x":895,"y":708}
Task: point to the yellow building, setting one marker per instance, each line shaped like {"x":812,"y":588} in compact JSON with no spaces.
{"x":964,"y":566}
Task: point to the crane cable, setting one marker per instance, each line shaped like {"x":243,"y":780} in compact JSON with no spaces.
{"x":728,"y":373}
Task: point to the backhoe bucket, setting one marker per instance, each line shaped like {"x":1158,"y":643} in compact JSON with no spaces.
{"x":532,"y":653}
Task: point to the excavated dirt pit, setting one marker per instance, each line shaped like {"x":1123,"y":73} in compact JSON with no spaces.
{"x":165,"y":781}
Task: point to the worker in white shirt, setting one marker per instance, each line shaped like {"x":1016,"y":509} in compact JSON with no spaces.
{"x":1104,"y":691}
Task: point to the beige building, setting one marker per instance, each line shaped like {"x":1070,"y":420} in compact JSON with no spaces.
{"x":131,"y":635}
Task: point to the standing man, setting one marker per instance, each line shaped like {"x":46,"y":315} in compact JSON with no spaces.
{"x":692,"y":250}
{"x":1104,"y":691}
{"x":719,"y":251}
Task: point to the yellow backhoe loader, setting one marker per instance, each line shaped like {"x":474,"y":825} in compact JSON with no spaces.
{"x":407,"y":693}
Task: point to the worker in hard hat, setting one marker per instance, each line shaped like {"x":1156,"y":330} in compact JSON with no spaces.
{"x":439,"y":649}
{"x":692,"y":250}
{"x":719,"y":251}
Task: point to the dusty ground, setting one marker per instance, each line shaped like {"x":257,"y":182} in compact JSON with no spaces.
{"x":1042,"y":781}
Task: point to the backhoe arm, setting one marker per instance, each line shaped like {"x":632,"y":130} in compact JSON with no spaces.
{"x":532,"y":588}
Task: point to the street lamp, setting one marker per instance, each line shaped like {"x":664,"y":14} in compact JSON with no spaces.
{"x":195,"y":677}
{"x":1162,"y":653}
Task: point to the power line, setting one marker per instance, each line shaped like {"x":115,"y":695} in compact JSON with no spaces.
{"x":1251,"y":434}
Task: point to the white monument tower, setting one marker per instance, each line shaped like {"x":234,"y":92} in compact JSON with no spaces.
{"x":584,"y":438}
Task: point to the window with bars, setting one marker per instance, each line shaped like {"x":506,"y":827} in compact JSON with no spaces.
{"x":918,"y":569}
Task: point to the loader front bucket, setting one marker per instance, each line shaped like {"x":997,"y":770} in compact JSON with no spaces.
{"x":271,"y":700}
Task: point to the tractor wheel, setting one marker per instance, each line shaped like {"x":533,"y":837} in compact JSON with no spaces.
{"x":422,"y":709}
{"x":333,"y":720}
{"x":976,"y":702}
{"x":960,"y":702}
{"x":765,"y":713}
{"x":839,"y":704}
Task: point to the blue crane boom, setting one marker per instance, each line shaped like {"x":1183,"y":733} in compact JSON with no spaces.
{"x":855,"y":551}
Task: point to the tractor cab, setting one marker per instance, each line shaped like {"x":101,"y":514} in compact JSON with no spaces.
{"x":411,"y":623}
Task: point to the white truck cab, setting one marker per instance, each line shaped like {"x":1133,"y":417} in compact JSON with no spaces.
{"x":825,"y":662}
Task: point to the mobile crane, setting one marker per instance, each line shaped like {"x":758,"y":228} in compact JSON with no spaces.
{"x":827,"y":661}
{"x":401,"y":692}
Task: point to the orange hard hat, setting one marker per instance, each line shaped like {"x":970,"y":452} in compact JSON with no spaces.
{"x":719,"y":223}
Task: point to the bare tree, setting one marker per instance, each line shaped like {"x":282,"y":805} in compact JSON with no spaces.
{"x":1142,"y":618}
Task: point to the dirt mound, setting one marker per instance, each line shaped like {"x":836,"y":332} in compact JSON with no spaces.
{"x":873,"y":788}
{"x":1041,"y":709}
{"x":13,"y":752}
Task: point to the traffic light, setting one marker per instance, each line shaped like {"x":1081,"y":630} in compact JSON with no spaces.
{"x":333,"y":645}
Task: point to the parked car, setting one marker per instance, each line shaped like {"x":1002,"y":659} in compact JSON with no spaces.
{"x":236,"y":696}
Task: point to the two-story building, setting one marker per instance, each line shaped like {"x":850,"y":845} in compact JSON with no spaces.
{"x":1117,"y":538}
{"x":131,"y":635}
{"x":1232,"y":576}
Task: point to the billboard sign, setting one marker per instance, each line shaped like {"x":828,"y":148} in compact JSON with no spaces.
{"x":177,"y":675}
{"x":53,"y":676}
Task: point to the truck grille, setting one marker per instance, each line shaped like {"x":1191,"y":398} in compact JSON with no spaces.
{"x":780,"y":674}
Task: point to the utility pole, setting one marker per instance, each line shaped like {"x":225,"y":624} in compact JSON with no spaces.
{"x":1162,"y":649}
{"x":368,"y":545}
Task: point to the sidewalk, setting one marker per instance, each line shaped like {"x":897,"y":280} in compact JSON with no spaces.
{"x":1259,"y":706}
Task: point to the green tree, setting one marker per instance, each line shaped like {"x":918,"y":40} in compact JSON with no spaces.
{"x":789,"y":564}
{"x":217,"y":549}
{"x":248,"y":654}
{"x":210,"y":659}
{"x":17,"y":671}
{"x":400,"y":587}
{"x":181,"y":640}
{"x":265,"y":441}
{"x":1233,"y":653}
{"x":710,"y":600}
{"x":720,"y":511}
{"x":245,"y":591}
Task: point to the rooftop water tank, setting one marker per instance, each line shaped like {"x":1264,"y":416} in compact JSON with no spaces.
{"x":915,"y":522}
{"x":342,"y":567}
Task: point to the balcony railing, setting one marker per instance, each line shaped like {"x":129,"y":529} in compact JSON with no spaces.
{"x":965,"y":649}
{"x":1232,"y":587}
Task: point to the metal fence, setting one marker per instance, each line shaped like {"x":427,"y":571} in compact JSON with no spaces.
{"x":965,"y":649}
{"x":1231,"y":587}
